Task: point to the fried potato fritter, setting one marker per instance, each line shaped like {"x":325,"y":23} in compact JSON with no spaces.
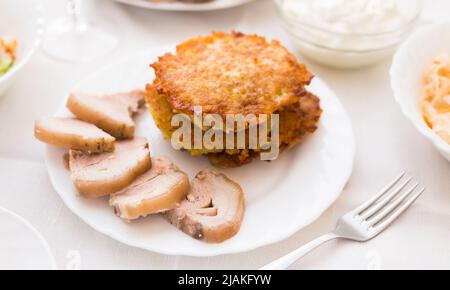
{"x":234,"y":74}
{"x":296,"y":123}
{"x":230,"y":74}
{"x":299,"y":120}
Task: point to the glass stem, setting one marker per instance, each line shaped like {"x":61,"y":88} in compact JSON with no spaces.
{"x":74,"y":10}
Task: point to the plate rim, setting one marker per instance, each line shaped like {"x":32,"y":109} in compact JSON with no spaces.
{"x":257,"y":245}
{"x":35,"y":232}
{"x":186,"y":7}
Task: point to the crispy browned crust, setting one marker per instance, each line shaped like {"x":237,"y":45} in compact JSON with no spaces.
{"x":297,"y":122}
{"x":230,"y":74}
{"x":226,"y":160}
{"x":161,"y":111}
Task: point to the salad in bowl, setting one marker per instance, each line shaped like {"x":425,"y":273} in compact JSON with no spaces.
{"x":19,"y":39}
{"x":7,"y":55}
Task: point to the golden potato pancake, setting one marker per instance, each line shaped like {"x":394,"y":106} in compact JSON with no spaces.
{"x":297,"y":122}
{"x":234,"y":74}
{"x":230,"y":74}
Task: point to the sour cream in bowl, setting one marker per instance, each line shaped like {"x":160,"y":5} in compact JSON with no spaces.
{"x":348,"y":33}
{"x":20,"y":21}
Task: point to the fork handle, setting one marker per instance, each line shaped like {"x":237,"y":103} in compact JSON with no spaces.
{"x":286,"y":261}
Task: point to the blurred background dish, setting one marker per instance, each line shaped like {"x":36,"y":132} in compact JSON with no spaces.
{"x":7,"y":54}
{"x":182,"y":6}
{"x":21,"y":245}
{"x":407,"y":76}
{"x":22,"y":21}
{"x":348,"y":33}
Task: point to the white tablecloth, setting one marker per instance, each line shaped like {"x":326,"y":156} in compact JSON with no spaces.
{"x":386,"y":144}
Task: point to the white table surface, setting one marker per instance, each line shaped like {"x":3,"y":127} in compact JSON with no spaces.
{"x":386,"y":144}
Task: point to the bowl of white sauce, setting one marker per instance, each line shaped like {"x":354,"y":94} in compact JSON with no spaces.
{"x":348,"y":33}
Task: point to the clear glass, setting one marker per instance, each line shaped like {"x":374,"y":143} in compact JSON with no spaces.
{"x":74,"y":39}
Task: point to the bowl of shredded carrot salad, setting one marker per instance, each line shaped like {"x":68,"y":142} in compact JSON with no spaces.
{"x":420,"y":79}
{"x":436,"y":99}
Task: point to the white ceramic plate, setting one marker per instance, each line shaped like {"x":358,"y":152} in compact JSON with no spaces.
{"x":282,"y":196}
{"x":21,"y":245}
{"x":408,"y":66}
{"x":21,"y":20}
{"x":179,"y":6}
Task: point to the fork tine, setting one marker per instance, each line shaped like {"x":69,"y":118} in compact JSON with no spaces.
{"x":388,"y":209}
{"x":381,"y":227}
{"x":368,"y":203}
{"x":374,"y":209}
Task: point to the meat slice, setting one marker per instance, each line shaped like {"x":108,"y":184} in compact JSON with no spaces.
{"x":96,"y":175}
{"x":112,"y":113}
{"x":158,"y":190}
{"x":73,"y":134}
{"x":213,"y":210}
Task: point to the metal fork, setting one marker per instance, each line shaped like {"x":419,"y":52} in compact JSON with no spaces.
{"x":365,"y":222}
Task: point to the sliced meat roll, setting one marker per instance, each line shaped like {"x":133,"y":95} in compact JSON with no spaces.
{"x":96,"y":175}
{"x":73,"y":134}
{"x":158,"y":190}
{"x":213,"y":209}
{"x":112,"y":113}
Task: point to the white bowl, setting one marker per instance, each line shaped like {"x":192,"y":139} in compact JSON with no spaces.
{"x":21,"y":20}
{"x":334,"y":48}
{"x":407,"y":70}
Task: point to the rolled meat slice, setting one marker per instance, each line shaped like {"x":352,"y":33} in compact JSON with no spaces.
{"x":73,"y":134}
{"x":158,"y":190}
{"x":102,"y":174}
{"x":111,"y":113}
{"x":213,"y":210}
